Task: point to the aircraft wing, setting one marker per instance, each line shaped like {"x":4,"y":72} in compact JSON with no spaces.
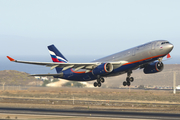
{"x":65,"y":66}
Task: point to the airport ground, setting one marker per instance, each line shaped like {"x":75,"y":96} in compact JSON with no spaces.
{"x":121,"y":100}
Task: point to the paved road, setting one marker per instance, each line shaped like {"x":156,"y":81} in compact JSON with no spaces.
{"x":90,"y":113}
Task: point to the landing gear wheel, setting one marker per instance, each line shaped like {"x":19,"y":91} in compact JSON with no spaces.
{"x":131,"y":79}
{"x":124,"y":83}
{"x":102,"y":80}
{"x":99,"y":84}
{"x":95,"y":84}
{"x":128,"y":83}
{"x":127,"y":79}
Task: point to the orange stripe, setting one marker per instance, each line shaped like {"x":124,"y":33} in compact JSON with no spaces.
{"x":143,"y":59}
{"x":124,"y":64}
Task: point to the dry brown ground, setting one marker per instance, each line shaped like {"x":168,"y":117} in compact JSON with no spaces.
{"x":49,"y":117}
{"x":93,"y":99}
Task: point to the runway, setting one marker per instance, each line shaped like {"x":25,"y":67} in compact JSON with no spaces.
{"x":89,"y":114}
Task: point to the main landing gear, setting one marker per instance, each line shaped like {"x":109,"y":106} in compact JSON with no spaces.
{"x":99,"y":81}
{"x":128,"y":79}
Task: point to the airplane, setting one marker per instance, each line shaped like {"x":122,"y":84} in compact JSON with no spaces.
{"x":147,"y":56}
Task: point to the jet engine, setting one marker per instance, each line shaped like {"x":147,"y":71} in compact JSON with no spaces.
{"x":154,"y":67}
{"x":103,"y":69}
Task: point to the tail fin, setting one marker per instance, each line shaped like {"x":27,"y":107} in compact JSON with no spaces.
{"x":56,"y":56}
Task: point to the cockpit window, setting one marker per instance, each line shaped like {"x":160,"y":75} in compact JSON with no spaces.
{"x":164,"y":43}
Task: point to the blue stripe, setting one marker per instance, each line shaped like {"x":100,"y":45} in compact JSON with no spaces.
{"x":53,"y":56}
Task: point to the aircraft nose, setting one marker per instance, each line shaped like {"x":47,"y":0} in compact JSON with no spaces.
{"x":170,"y":47}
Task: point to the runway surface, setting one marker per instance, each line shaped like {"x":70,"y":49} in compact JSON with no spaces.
{"x":90,"y":113}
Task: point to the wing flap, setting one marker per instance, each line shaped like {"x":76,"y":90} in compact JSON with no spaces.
{"x":78,"y":68}
{"x":67,"y":67}
{"x":54,"y":67}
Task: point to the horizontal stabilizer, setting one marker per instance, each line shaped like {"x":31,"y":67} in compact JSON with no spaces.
{"x":59,"y":75}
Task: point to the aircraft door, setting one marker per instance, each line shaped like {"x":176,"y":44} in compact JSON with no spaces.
{"x":134,"y":52}
{"x":153,"y":45}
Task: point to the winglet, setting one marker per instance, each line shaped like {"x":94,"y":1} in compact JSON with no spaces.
{"x":168,"y":56}
{"x":11,"y":59}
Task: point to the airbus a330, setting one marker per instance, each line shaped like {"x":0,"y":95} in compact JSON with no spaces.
{"x":147,"y":57}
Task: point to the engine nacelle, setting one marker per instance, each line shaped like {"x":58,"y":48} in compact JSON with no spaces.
{"x":103,"y":69}
{"x":154,"y":67}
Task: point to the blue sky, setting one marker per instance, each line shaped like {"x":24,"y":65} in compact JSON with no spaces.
{"x":86,"y":27}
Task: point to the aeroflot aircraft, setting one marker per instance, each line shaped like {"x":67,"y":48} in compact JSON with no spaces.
{"x":144,"y":57}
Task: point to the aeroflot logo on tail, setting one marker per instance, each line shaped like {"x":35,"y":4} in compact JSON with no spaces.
{"x":56,"y":58}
